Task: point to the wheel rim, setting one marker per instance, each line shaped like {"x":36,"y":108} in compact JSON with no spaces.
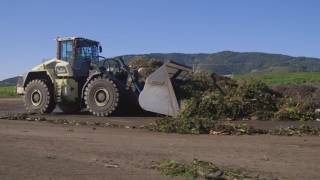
{"x":36,"y":97}
{"x":101,"y":97}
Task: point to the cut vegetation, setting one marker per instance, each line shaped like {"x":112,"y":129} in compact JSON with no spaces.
{"x":207,"y":99}
{"x":205,"y":170}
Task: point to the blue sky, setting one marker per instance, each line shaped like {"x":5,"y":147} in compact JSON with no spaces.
{"x":28,"y":28}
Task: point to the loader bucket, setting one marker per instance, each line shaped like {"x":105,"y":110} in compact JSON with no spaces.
{"x":158,"y":94}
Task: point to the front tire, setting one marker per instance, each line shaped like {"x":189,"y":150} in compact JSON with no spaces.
{"x":101,"y":96}
{"x":38,"y":97}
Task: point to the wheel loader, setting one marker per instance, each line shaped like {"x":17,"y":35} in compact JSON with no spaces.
{"x":80,"y":79}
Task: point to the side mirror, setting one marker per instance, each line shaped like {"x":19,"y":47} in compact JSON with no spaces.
{"x":100,"y":49}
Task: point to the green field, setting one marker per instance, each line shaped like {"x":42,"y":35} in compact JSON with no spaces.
{"x":292,"y":78}
{"x":8,"y":91}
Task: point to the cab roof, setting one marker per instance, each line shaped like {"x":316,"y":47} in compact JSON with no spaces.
{"x":71,"y":38}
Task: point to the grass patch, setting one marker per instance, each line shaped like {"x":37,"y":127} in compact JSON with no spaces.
{"x":8,"y":91}
{"x":290,"y":78}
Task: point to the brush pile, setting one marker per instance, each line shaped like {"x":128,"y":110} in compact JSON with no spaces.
{"x":206,"y":99}
{"x":144,"y":66}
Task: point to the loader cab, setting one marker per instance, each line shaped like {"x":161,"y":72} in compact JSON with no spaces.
{"x":80,"y":53}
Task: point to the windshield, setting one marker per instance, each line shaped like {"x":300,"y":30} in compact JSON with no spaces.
{"x":89,"y":53}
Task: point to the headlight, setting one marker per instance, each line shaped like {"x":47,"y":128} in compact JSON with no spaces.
{"x":61,"y":70}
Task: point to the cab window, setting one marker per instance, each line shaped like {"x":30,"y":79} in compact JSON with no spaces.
{"x":66,"y":51}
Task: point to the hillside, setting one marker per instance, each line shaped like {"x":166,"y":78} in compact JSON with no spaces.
{"x":9,"y":82}
{"x":228,"y":62}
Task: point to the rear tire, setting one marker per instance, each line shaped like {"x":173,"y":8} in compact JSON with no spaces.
{"x":38,"y":97}
{"x":101,"y":96}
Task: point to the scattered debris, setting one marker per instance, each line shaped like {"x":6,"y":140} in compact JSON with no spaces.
{"x":111,"y":165}
{"x":265,"y":158}
{"x":105,"y":162}
{"x":70,"y":130}
{"x":18,"y":116}
{"x":204,"y":126}
{"x":39,"y":118}
{"x":181,"y":125}
{"x":205,"y":170}
{"x":231,"y":129}
{"x":296,"y":131}
{"x":50,"y":156}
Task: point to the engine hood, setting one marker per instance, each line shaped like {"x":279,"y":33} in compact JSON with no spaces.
{"x":50,"y":64}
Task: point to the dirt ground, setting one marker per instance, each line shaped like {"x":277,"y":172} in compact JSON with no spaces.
{"x":43,"y":151}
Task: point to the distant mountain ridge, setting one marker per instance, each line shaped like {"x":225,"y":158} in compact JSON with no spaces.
{"x":9,"y":82}
{"x":229,"y":62}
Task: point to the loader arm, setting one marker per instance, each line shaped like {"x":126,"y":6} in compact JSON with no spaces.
{"x":158,"y":94}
